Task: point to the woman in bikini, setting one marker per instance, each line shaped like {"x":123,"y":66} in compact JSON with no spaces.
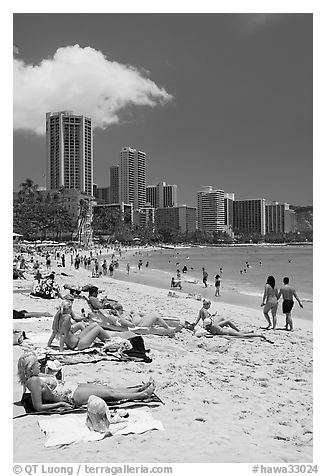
{"x":48,"y":393}
{"x":270,"y":302}
{"x":219,"y":326}
{"x":66,"y":332}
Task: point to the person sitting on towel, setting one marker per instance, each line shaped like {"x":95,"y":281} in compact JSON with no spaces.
{"x":103,"y":303}
{"x":66,"y":332}
{"x":219,"y":326}
{"x":47,"y":395}
{"x":175,"y":284}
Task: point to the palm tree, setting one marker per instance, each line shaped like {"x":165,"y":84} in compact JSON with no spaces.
{"x":28,"y":191}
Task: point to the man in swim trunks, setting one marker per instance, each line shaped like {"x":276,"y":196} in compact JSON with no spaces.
{"x":288,"y":293}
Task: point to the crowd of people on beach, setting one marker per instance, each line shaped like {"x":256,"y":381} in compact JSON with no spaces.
{"x":79,"y":332}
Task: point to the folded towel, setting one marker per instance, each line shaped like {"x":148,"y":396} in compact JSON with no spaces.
{"x":75,"y":429}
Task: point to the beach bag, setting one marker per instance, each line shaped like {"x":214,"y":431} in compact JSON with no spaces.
{"x":138,"y":351}
{"x":18,"y":337}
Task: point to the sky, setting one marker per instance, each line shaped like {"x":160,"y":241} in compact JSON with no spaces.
{"x":213,"y":99}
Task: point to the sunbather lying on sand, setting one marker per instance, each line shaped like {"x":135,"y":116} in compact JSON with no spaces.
{"x":25,"y":314}
{"x":137,"y":322}
{"x":139,"y":319}
{"x":48,"y":393}
{"x":66,"y":332}
{"x":215,"y":325}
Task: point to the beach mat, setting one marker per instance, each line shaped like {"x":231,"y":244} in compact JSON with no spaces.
{"x":75,"y":429}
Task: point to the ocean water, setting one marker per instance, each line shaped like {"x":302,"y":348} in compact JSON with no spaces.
{"x":296,"y":262}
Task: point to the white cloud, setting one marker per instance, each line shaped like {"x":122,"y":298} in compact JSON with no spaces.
{"x":82,"y":80}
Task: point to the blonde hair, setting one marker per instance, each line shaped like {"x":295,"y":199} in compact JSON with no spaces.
{"x":64,"y":306}
{"x":24,"y":367}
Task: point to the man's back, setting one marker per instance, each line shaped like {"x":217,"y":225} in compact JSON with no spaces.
{"x":287,"y":292}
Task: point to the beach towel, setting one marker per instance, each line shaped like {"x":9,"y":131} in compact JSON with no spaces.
{"x":134,"y":351}
{"x":86,"y":356}
{"x":69,"y":429}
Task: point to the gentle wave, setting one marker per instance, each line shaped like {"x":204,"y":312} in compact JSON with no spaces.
{"x":250,"y":293}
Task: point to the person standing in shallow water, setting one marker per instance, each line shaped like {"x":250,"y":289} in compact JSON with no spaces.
{"x":217,"y":285}
{"x":288,"y":293}
{"x":205,"y":277}
{"x":270,"y":302}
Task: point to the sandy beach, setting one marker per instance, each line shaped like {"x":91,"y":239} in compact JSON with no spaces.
{"x":225,"y":399}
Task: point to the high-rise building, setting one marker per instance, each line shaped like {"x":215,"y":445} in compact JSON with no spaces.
{"x":132,"y":181}
{"x":114,"y":184}
{"x":210,"y":210}
{"x":180,"y":219}
{"x":101,"y":194}
{"x":228,"y":212}
{"x":69,"y":140}
{"x":144,"y":217}
{"x":280,"y":218}
{"x":161,"y":195}
{"x":249,"y":216}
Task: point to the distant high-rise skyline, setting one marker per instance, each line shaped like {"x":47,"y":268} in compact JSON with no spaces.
{"x":69,"y":145}
{"x":219,"y":98}
{"x":132,"y":177}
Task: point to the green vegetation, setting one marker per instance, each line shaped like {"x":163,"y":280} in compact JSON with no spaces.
{"x":40,"y":216}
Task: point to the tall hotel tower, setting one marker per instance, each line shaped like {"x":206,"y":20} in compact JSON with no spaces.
{"x":133,"y":177}
{"x":210,"y":209}
{"x":250,"y":216}
{"x":161,"y":195}
{"x":69,"y":141}
{"x":114,"y":184}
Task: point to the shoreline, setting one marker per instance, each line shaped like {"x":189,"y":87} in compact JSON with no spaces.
{"x":230,"y":295}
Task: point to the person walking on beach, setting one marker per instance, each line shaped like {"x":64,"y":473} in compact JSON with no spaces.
{"x":270,"y":301}
{"x":205,"y":277}
{"x":288,"y":293}
{"x":217,"y":285}
{"x":111,"y":269}
{"x":128,"y":268}
{"x":48,"y":261}
{"x":105,"y":267}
